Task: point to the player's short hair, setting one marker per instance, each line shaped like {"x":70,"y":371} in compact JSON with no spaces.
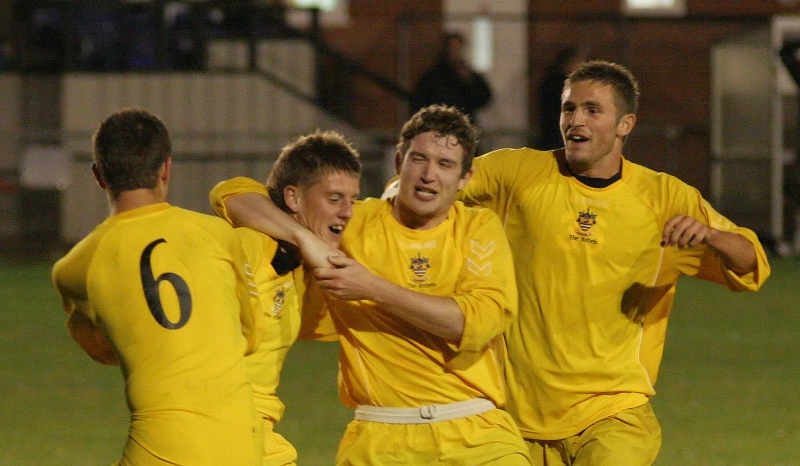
{"x":443,"y":120}
{"x":129,"y":147}
{"x":621,"y":80}
{"x":303,"y":161}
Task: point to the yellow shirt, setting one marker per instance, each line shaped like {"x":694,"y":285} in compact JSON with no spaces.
{"x":279,"y":321}
{"x":385,"y":361}
{"x":162,"y":292}
{"x":587,"y":260}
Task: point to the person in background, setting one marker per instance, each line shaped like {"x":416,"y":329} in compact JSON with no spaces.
{"x":419,"y":304}
{"x":315,"y":180}
{"x":599,"y":243}
{"x":452,"y":81}
{"x":550,"y":90}
{"x":163,"y":292}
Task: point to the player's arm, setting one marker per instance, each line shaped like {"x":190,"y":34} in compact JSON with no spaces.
{"x":350,"y":281}
{"x":91,"y":339}
{"x":735,"y":251}
{"x":244,"y":203}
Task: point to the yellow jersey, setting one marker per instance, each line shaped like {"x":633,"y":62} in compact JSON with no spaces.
{"x":164,"y":293}
{"x":589,"y":265}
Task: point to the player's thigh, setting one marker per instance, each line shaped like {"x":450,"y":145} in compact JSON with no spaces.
{"x":631,"y":437}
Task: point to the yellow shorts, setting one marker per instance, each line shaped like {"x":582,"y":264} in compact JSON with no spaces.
{"x":490,"y":438}
{"x":631,"y":437}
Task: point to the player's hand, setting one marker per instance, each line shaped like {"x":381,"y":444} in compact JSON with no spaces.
{"x":685,"y":231}
{"x":347,"y":280}
{"x":315,"y":250}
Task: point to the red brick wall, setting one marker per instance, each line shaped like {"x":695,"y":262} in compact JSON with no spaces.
{"x":376,"y":40}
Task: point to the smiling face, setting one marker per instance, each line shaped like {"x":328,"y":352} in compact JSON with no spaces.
{"x":430,"y":176}
{"x":593,"y":129}
{"x":326,"y":206}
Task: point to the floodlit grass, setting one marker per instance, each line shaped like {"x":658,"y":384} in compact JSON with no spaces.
{"x":58,"y":406}
{"x":728,"y":392}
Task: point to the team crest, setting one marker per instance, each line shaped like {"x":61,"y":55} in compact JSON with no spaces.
{"x":586,"y":220}
{"x":420,"y":266}
{"x":277,"y":301}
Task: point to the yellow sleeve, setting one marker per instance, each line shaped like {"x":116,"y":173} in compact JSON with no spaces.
{"x":487,"y":289}
{"x":69,"y":279}
{"x":493,"y":178}
{"x":228,"y":188}
{"x":734,"y":281}
{"x":708,"y":266}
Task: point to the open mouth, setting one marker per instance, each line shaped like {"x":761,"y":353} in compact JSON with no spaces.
{"x":577,"y":138}
{"x":336,"y":229}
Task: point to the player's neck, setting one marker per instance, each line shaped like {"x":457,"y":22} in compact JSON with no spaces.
{"x":407,"y":217}
{"x":607,"y":168}
{"x":133,"y":199}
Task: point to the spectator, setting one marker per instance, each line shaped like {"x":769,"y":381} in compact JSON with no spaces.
{"x":452,"y":81}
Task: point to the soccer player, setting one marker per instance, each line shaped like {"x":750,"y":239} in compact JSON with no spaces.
{"x":163,"y":293}
{"x":316,"y":180}
{"x":424,"y":295}
{"x":599,"y":243}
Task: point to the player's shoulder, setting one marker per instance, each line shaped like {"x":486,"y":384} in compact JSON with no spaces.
{"x":80,"y":254}
{"x":515,"y":167}
{"x":255,"y":243}
{"x":200,"y":218}
{"x":475,"y":215}
{"x":645,"y":177}
{"x":659,"y":188}
{"x":201,"y":228}
{"x":370,"y":207}
{"x":515,"y":156}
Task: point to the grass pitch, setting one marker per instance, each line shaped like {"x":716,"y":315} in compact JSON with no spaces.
{"x":728,"y":392}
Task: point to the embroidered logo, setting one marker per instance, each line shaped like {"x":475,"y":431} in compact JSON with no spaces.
{"x":586,"y":220}
{"x":278,"y":301}
{"x":420,"y":266}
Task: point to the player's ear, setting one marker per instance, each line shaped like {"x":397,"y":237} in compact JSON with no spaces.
{"x":464,"y":179}
{"x":626,"y":124}
{"x":165,"y":171}
{"x":291,"y":196}
{"x":98,"y":176}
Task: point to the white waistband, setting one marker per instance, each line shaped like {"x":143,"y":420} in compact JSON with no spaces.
{"x":424,"y":414}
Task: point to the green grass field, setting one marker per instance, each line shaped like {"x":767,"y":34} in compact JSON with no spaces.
{"x":728,"y":393}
